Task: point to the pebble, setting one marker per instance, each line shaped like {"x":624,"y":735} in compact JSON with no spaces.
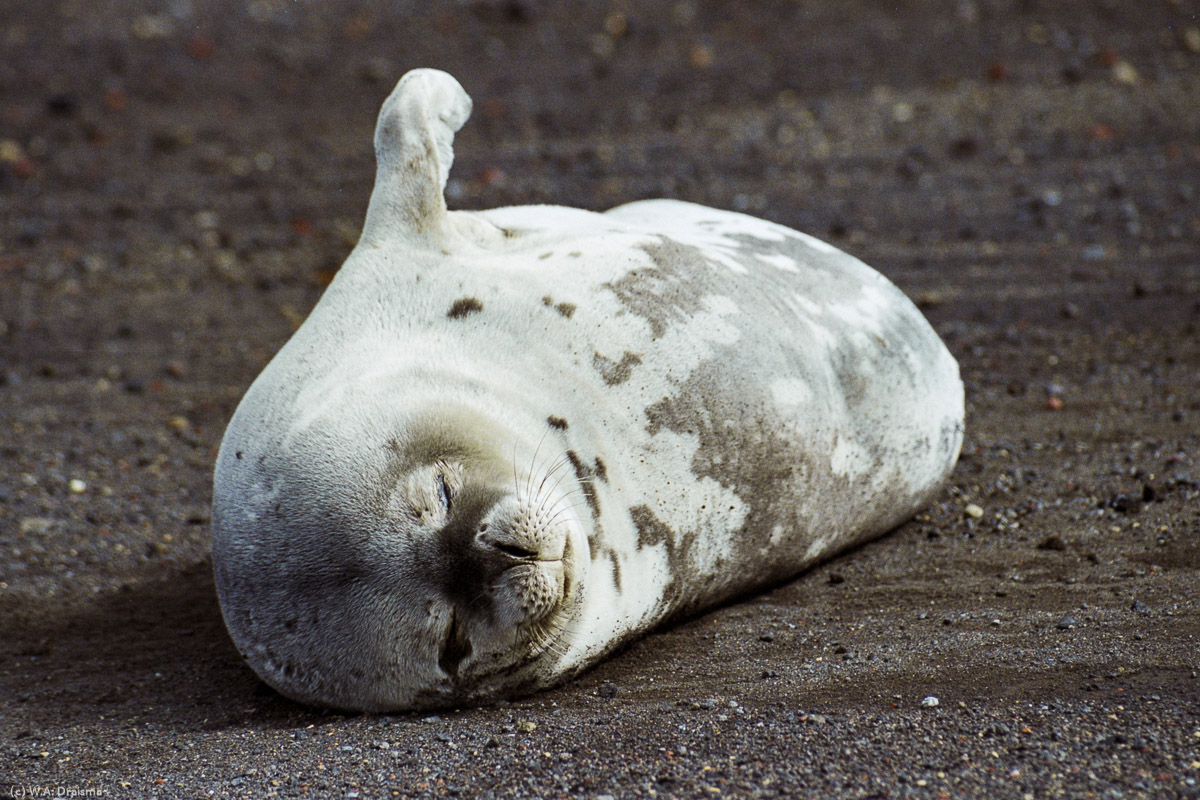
{"x":153,"y":26}
{"x":1067,"y":622}
{"x":1139,"y":607}
{"x":931,"y":702}
{"x":77,"y":486}
{"x":37,"y":525}
{"x":973,"y":511}
{"x":1191,"y":39}
{"x":11,"y":151}
{"x":1124,"y":72}
{"x":526,"y":726}
{"x":1052,"y":542}
{"x":700,"y":56}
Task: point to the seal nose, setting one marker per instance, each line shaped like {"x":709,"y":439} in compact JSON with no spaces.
{"x":521,"y":534}
{"x":511,"y":546}
{"x":515,"y":551}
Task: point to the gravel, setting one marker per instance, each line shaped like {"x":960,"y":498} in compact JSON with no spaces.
{"x":179,"y":182}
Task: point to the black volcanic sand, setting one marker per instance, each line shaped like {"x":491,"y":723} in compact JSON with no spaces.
{"x":178,"y":181}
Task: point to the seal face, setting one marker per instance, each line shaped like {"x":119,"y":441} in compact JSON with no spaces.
{"x":506,"y":442}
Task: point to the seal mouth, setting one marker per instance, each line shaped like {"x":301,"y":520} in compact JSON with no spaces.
{"x":545,"y":633}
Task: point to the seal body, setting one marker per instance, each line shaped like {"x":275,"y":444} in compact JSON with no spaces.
{"x":506,"y":442}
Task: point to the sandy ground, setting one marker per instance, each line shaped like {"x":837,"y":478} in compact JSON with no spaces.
{"x":179,"y":180}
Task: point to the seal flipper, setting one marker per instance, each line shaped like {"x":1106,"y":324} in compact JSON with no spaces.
{"x":414,"y":140}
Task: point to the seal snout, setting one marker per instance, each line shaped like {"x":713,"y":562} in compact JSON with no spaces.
{"x":524,"y":531}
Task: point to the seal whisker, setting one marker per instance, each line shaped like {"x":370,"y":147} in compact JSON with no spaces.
{"x":556,"y":465}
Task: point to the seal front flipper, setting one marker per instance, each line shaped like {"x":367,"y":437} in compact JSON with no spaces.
{"x":414,"y":148}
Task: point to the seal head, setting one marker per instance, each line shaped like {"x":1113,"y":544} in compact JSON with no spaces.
{"x":427,"y":573}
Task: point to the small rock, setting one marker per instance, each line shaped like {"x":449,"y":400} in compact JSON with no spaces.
{"x":964,"y":147}
{"x":700,"y":56}
{"x":973,"y":511}
{"x":37,"y":525}
{"x":930,"y":702}
{"x":1067,"y":622}
{"x":526,"y":726}
{"x":1052,"y":542}
{"x":1191,"y":39}
{"x":431,"y":719}
{"x":767,"y":637}
{"x":62,"y":105}
{"x":1124,"y":72}
{"x":11,"y":151}
{"x":1139,"y":607}
{"x":1126,"y":504}
{"x":77,"y":486}
{"x":152,"y":26}
{"x":607,"y":690}
{"x":1054,"y":403}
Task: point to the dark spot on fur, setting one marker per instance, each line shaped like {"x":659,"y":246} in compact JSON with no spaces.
{"x":558,"y":423}
{"x":547,"y":301}
{"x":585,"y":475}
{"x":601,"y":470}
{"x":238,"y":455}
{"x":566,"y":309}
{"x":464,"y":306}
{"x":661,"y":294}
{"x":651,"y":530}
{"x":616,"y":372}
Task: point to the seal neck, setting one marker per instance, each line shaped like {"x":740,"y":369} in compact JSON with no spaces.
{"x":414,"y":140}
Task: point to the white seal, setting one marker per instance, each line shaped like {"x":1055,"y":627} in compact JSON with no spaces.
{"x":506,"y":442}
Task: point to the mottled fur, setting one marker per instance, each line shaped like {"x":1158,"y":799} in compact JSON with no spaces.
{"x":505,"y":442}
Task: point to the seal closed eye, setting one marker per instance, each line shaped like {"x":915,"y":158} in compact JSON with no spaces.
{"x":403,"y":517}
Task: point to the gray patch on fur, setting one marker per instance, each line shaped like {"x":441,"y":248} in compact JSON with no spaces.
{"x":616,"y":372}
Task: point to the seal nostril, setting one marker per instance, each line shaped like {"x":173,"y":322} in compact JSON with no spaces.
{"x":483,"y":527}
{"x":514,"y":551}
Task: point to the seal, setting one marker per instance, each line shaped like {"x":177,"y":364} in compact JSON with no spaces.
{"x":506,"y":442}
